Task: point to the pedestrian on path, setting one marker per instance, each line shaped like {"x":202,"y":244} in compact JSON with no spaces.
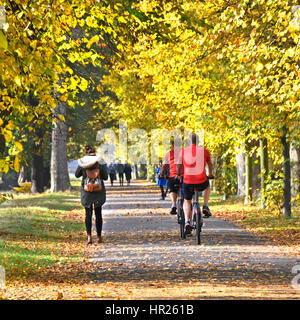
{"x":161,"y":182}
{"x":120,"y":169}
{"x":112,"y":173}
{"x":93,"y":195}
{"x":127,"y":170}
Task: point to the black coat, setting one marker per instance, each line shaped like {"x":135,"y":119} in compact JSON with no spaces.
{"x":112,"y":172}
{"x":120,"y":168}
{"x":89,"y":198}
{"x":127,"y":170}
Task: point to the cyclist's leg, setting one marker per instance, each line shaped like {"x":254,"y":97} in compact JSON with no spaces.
{"x":173,"y":197}
{"x":174,"y":188}
{"x":187,"y":210}
{"x":173,"y":194}
{"x":188,"y":216}
{"x":206,"y":193}
{"x":187,"y":207}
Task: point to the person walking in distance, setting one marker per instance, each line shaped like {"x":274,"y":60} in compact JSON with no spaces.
{"x":120,"y":169}
{"x":112,"y":173}
{"x":161,"y":181}
{"x":93,"y":194}
{"x":127,"y":171}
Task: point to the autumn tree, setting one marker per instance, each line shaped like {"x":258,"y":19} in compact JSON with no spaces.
{"x":43,"y":55}
{"x":230,"y":68}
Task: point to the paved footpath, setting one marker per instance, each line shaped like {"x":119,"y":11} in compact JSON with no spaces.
{"x":143,"y":252}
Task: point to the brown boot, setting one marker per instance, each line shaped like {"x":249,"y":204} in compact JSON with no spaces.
{"x":99,"y":239}
{"x":89,"y":239}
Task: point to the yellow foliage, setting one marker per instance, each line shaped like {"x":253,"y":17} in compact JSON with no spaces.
{"x":34,"y":55}
{"x":24,"y":187}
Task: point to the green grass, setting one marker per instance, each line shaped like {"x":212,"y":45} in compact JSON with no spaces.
{"x":19,"y":259}
{"x":37,"y":231}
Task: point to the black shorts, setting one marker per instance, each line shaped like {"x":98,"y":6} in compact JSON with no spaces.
{"x":173,"y":184}
{"x":188,"y":189}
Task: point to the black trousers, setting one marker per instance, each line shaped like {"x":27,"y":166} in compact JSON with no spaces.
{"x":88,"y":219}
{"x":162,"y":192}
{"x":112,"y":177}
{"x":121,"y":178}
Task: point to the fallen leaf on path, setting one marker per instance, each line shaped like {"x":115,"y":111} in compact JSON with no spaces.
{"x":59,"y":296}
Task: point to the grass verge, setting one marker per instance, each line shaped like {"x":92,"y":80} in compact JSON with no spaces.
{"x":40,"y":231}
{"x":264,"y":223}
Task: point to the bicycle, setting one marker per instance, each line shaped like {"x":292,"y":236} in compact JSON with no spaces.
{"x":197,"y":217}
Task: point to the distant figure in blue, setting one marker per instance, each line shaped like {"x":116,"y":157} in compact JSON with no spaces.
{"x":161,"y":182}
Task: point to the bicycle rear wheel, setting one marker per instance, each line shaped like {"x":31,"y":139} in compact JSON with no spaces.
{"x":198,"y":225}
{"x":181,"y":219}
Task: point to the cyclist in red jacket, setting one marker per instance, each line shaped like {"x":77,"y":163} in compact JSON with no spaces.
{"x":171,"y":159}
{"x":193,"y":161}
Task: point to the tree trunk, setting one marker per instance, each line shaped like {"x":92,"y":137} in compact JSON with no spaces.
{"x":37,"y":173}
{"x":25,"y":174}
{"x":241,"y":172}
{"x":225,"y":166}
{"x":286,"y":173}
{"x":218,"y":170}
{"x":249,"y":187}
{"x":263,"y":168}
{"x":143,"y":172}
{"x":47,"y":177}
{"x":60,"y":180}
{"x":256,"y":181}
{"x":295,"y":172}
{"x":136,"y":171}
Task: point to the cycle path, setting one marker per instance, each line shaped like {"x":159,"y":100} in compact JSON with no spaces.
{"x":142,"y":250}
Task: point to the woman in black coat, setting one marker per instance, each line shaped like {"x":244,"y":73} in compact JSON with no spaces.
{"x":92,"y":200}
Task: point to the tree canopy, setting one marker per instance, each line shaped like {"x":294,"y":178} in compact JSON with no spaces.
{"x":228,"y":67}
